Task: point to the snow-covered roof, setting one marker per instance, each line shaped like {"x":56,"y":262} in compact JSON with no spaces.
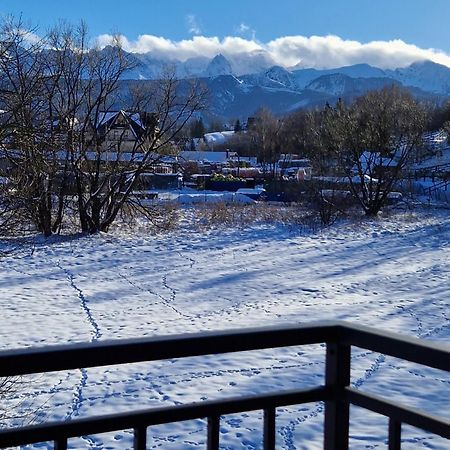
{"x":218,"y":137}
{"x":252,"y":160}
{"x":105,"y":117}
{"x":369,"y":160}
{"x":345,"y":180}
{"x":113,"y":156}
{"x":213,"y":197}
{"x":435,"y":138}
{"x":214,"y":157}
{"x":136,"y":117}
{"x":442,"y":158}
{"x":135,"y":120}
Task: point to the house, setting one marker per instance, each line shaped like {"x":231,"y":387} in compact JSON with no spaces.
{"x":292,"y":166}
{"x":124,"y":131}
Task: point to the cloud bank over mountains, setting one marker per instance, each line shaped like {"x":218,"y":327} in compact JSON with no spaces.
{"x":320,"y":52}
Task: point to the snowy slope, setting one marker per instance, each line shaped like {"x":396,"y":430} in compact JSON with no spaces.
{"x":250,"y":62}
{"x":387,"y":274}
{"x":231,"y":97}
{"x":425,"y":75}
{"x":192,"y":67}
{"x":342,"y":85}
{"x":360,"y":71}
{"x":305,"y":76}
{"x":276,"y":77}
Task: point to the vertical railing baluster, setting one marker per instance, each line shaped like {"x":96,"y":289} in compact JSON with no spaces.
{"x":337,"y":410}
{"x":395,"y":434}
{"x":140,"y":438}
{"x":269,"y":429}
{"x":60,"y":444}
{"x":213,"y":433}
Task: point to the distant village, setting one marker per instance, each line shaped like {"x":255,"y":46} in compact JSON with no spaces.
{"x":214,"y":161}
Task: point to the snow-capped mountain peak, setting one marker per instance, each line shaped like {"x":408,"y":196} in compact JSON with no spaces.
{"x":219,"y":65}
{"x":281,"y":75}
{"x":426,"y":75}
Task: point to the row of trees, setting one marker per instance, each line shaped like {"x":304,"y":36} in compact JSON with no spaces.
{"x":368,"y":141}
{"x":55,"y":91}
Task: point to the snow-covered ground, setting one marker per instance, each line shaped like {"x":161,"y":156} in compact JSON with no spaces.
{"x":390,"y":273}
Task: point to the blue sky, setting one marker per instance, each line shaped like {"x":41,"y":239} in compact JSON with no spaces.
{"x":421,"y":22}
{"x":424,"y":23}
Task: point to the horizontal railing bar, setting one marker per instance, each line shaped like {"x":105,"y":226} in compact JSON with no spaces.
{"x":95,"y":354}
{"x":66,"y":357}
{"x":104,"y":353}
{"x":156,"y":416}
{"x":403,"y":414}
{"x":431,"y":354}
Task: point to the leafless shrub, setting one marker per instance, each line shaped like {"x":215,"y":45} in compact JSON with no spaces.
{"x":9,"y":386}
{"x":332,"y":205}
{"x":155,"y":218}
{"x":211,"y":215}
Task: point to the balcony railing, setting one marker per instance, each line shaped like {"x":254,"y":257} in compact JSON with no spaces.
{"x":336,"y":392}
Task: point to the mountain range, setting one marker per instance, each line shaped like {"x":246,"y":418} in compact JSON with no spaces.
{"x":240,"y":84}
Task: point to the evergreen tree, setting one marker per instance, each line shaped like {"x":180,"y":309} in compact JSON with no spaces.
{"x":215,"y":126}
{"x":197,"y":128}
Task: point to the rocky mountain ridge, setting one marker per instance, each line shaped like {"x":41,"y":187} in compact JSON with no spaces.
{"x":237,"y":95}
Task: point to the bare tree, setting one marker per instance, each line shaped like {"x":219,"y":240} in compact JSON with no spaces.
{"x":87,"y":82}
{"x":372,"y":141}
{"x":107,"y":176}
{"x":105,"y":168}
{"x":27,"y":140}
{"x":265,"y":134}
{"x":296,"y":137}
{"x":58,"y":96}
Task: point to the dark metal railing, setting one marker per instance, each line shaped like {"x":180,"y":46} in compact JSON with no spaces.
{"x":336,"y":392}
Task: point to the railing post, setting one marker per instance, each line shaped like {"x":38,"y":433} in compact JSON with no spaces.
{"x":140,"y":438}
{"x":60,"y":444}
{"x":337,"y":377}
{"x":395,"y":434}
{"x":212,"y":442}
{"x":269,"y":438}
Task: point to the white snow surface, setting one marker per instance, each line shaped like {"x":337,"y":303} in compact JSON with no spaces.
{"x":218,"y":137}
{"x":390,"y":273}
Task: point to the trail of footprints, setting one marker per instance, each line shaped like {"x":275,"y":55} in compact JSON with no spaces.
{"x":287,"y":432}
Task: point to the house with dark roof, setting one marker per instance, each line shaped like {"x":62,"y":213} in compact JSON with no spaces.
{"x":125,"y":131}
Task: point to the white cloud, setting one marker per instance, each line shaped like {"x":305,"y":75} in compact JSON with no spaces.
{"x":314,"y":51}
{"x":182,"y":50}
{"x":243,"y":28}
{"x":246,"y":30}
{"x":193,"y":26}
{"x":333,"y":51}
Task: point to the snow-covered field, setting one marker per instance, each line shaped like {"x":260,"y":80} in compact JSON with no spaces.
{"x":391,"y":273}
